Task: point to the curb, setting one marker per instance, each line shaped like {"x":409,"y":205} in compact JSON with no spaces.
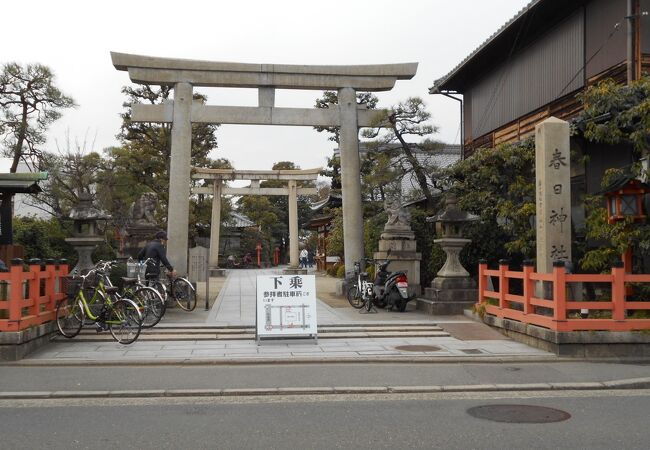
{"x":632,"y":383}
{"x":474,"y":359}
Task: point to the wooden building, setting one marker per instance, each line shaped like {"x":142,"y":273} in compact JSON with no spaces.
{"x":10,"y":185}
{"x":231,"y":234}
{"x":321,"y":223}
{"x":534,"y":66}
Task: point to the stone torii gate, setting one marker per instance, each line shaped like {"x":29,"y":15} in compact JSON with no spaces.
{"x":184,"y":74}
{"x":255,"y":176}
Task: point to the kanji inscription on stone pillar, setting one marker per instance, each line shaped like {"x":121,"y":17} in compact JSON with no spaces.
{"x":553,"y":193}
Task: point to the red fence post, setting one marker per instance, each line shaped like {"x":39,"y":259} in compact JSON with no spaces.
{"x":34,"y":285}
{"x":50,"y":285}
{"x":62,"y":274}
{"x":529,"y":267}
{"x":618,"y":291}
{"x":16,"y":297}
{"x":482,"y":267}
{"x":503,"y":283}
{"x":63,"y":269}
{"x":559,"y":291}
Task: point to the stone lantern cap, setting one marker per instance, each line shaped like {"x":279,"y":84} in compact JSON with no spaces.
{"x":84,"y":210}
{"x":452,"y":213}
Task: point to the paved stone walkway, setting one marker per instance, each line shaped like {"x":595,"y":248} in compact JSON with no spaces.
{"x":235,"y":307}
{"x":323,"y":350}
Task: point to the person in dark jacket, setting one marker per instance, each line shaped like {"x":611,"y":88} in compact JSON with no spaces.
{"x":156,"y":251}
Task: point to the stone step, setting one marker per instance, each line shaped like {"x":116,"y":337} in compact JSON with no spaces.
{"x":321,"y":329}
{"x":247,"y":333}
{"x":371,"y":325}
{"x":105,"y":336}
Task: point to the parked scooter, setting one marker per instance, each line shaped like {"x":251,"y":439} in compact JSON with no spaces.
{"x":391,"y":288}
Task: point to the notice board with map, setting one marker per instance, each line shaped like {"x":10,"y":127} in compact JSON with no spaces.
{"x":286,"y":306}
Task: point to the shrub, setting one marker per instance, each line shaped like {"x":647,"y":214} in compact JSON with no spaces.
{"x":498,"y":185}
{"x":370,"y":269}
{"x":335,"y":236}
{"x":43,"y":238}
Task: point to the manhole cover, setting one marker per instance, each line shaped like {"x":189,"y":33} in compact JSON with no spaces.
{"x":418,"y":348}
{"x":471,"y":351}
{"x":518,"y":413}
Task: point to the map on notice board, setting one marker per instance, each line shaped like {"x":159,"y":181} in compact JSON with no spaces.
{"x":286,"y":305}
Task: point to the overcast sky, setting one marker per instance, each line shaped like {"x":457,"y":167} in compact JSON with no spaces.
{"x":74,"y":39}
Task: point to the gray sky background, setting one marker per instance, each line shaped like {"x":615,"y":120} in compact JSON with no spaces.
{"x":74,"y":39}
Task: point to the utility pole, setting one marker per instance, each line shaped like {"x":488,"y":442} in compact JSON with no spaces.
{"x":633,"y":40}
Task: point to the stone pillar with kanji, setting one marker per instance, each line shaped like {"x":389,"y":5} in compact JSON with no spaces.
{"x":553,"y":193}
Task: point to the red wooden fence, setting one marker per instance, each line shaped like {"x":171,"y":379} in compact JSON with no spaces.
{"x":29,"y":298}
{"x":562,"y":311}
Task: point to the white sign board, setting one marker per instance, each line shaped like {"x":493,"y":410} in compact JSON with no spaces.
{"x":286,"y":306}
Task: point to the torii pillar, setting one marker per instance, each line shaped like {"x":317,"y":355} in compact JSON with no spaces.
{"x":294,"y":251}
{"x":350,"y":180}
{"x":215,"y":228}
{"x":178,"y":210}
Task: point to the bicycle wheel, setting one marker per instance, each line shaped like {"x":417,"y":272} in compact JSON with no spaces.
{"x":152,"y":303}
{"x":369,"y":303}
{"x":124,"y":321}
{"x":69,"y":317}
{"x":184,"y":294}
{"x":354,"y":297}
{"x":160,"y":287}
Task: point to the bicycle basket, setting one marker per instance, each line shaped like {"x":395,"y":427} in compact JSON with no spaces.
{"x":135,"y":270}
{"x":71,"y":286}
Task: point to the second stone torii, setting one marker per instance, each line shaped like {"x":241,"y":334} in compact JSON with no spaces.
{"x":255,"y":176}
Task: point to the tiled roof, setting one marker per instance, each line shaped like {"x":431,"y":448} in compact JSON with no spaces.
{"x":238,"y":221}
{"x":332,"y":200}
{"x":440,"y":159}
{"x":21,"y":182}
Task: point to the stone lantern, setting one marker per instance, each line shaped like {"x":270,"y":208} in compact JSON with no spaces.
{"x":453,"y":289}
{"x":85,"y":235}
{"x":449,"y":224}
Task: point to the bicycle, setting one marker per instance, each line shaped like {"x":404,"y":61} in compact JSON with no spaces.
{"x":120,"y":316}
{"x":361,"y":293}
{"x":179,"y":288}
{"x":150,"y":301}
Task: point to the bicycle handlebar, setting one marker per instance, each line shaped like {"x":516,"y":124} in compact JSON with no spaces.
{"x":92,"y":271}
{"x":104,"y":265}
{"x":368,"y":260}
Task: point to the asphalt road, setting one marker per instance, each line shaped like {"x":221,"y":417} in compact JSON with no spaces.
{"x":598,"y":420}
{"x":62,"y":378}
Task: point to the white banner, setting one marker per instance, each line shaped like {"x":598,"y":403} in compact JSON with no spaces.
{"x":286,"y":305}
